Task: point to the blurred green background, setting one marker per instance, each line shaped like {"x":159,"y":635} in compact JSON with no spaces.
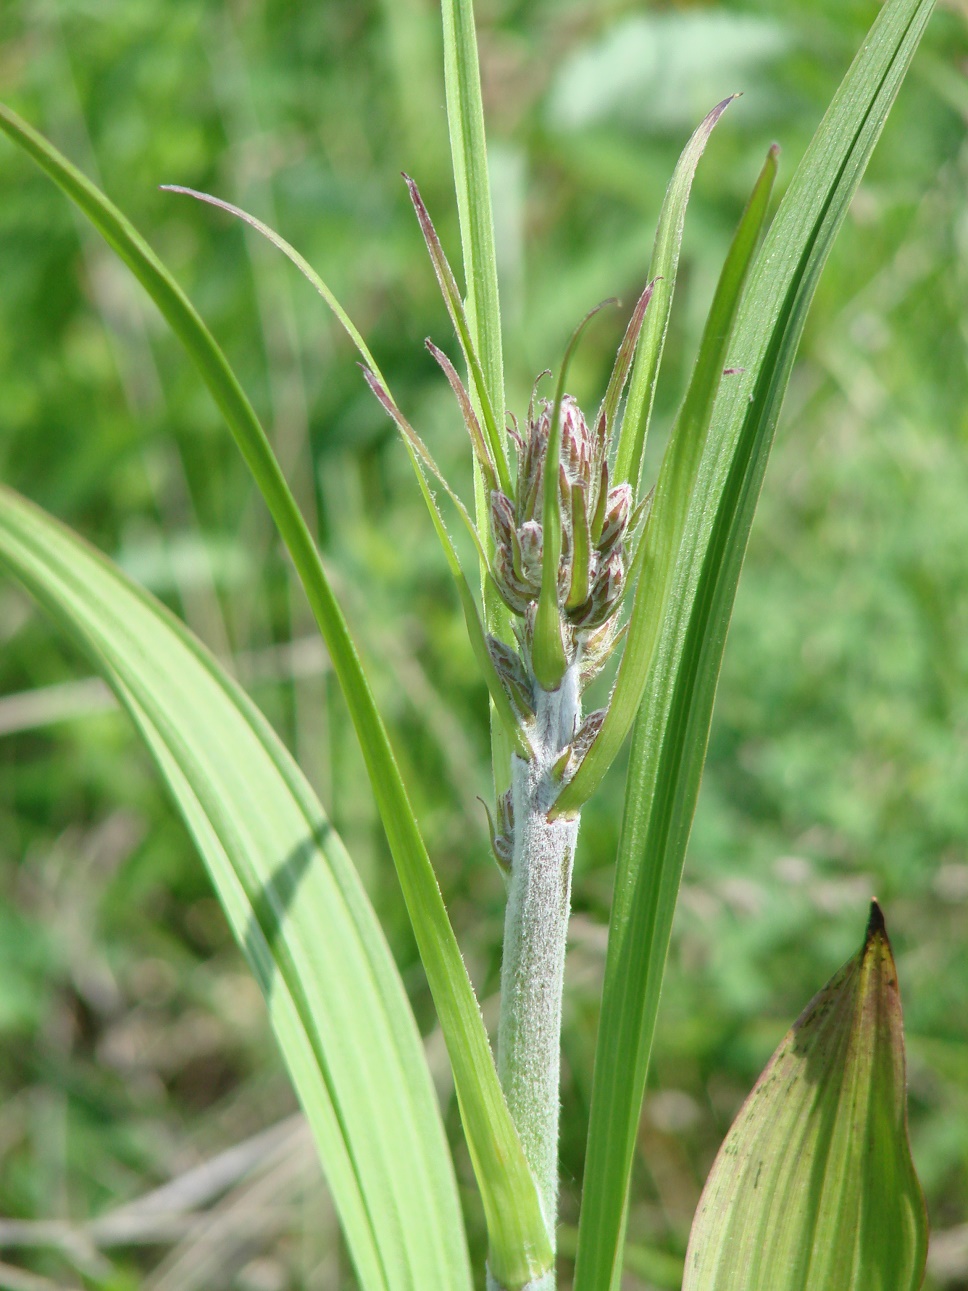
{"x":134,"y":1052}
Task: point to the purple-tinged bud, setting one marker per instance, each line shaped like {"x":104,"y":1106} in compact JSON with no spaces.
{"x":514,"y":592}
{"x":610,"y":583}
{"x":532,"y":545}
{"x":577,"y":442}
{"x":531,"y":472}
{"x":503,"y":837}
{"x":587,"y":734}
{"x":617,"y":508}
{"x":503,"y":850}
{"x":505,"y":531}
{"x":606,"y":593}
{"x":505,"y":813}
{"x":511,"y":670}
{"x":502,"y":518}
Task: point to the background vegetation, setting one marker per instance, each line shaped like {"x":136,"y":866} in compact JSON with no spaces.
{"x":134,"y":1052}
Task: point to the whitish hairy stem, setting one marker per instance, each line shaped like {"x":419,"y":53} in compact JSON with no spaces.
{"x":533,"y":968}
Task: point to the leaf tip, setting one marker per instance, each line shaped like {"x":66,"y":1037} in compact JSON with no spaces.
{"x":379,"y":389}
{"x":876,"y":927}
{"x":414,"y":192}
{"x":721,"y":107}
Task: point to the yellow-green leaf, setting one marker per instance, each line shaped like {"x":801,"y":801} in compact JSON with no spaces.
{"x":814,"y":1188}
{"x":293,"y":899}
{"x":518,"y":1241}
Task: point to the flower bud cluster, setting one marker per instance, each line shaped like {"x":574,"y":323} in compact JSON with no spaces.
{"x":594,"y":520}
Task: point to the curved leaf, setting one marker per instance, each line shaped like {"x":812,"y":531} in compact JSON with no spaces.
{"x":468,"y":147}
{"x":519,"y":1244}
{"x":455,"y":307}
{"x":654,"y":563}
{"x":814,"y":1185}
{"x":662,"y":271}
{"x":672,"y":727}
{"x":294,"y":901}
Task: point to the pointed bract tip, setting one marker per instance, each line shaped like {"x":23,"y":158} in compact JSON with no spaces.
{"x":721,"y":107}
{"x":379,"y":389}
{"x":876,"y":926}
{"x":189,"y":192}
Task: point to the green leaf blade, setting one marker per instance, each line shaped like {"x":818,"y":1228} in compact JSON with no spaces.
{"x":519,"y":1243}
{"x":468,"y":146}
{"x":672,"y":727}
{"x":293,"y":899}
{"x":655,"y":563}
{"x":662,"y":271}
{"x":458,"y":316}
{"x":814,"y":1185}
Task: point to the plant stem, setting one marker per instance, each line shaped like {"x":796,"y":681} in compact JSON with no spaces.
{"x":535,"y":931}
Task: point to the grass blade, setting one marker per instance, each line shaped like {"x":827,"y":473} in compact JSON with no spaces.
{"x":294,"y":901}
{"x":458,"y":316}
{"x":519,"y":1242}
{"x":421,"y":459}
{"x":814,"y":1185}
{"x":291,"y":254}
{"x":672,"y":728}
{"x":468,"y":147}
{"x":662,"y":272}
{"x":655,"y":561}
{"x":417,"y":451}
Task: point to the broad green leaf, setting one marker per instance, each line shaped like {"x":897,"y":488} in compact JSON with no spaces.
{"x":519,"y":1245}
{"x":814,"y":1186}
{"x":662,"y":272}
{"x":672,"y":727}
{"x":294,"y":901}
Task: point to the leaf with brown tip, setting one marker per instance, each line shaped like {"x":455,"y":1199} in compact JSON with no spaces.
{"x":814,"y":1188}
